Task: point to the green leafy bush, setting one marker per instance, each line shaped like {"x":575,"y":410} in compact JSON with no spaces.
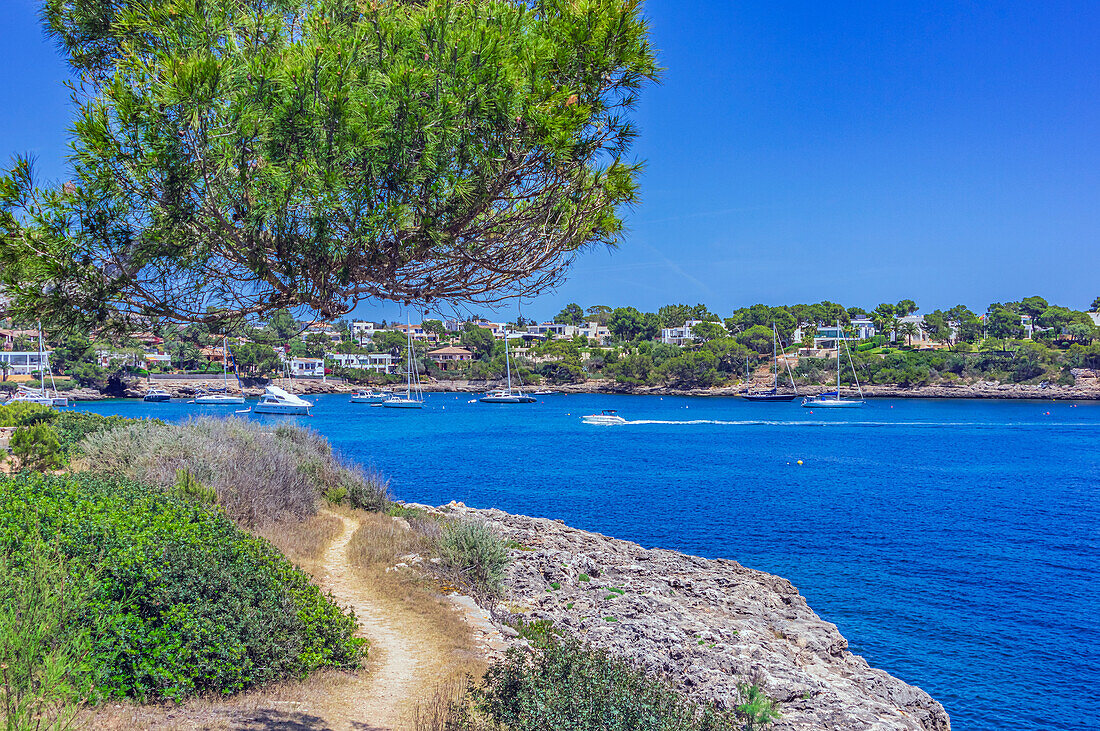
{"x":564,"y":685}
{"x":73,"y":427}
{"x":36,"y":447}
{"x":475,"y":553}
{"x":42,"y":644}
{"x":24,"y":413}
{"x":182,"y":601}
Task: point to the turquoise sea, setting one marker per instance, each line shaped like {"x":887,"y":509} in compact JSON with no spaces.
{"x":955,"y":543}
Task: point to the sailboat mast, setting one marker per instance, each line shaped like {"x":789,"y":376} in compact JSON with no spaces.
{"x":225,"y":362}
{"x":838,"y":333}
{"x":507,"y":361}
{"x":775,"y":358}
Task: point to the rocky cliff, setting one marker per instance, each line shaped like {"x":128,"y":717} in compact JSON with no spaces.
{"x":704,"y":624}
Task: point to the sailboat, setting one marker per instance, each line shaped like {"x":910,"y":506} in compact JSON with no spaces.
{"x":221,"y":397}
{"x":773,"y":394}
{"x":41,"y":395}
{"x":412,"y":397}
{"x":507,"y":395}
{"x":832,"y":399}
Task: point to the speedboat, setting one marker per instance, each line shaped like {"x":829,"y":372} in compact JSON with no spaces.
{"x":218,"y":398}
{"x":363,"y":396}
{"x":507,"y":396}
{"x":277,"y":401}
{"x":607,"y":417}
{"x":156,"y":395}
{"x":545,"y":392}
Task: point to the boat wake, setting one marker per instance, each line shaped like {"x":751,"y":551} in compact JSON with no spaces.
{"x":917,"y":424}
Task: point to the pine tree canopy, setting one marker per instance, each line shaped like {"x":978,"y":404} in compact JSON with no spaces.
{"x":233,"y":157}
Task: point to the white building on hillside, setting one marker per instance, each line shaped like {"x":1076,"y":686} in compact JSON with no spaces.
{"x":682,"y":335}
{"x":379,"y":362}
{"x":22,"y":362}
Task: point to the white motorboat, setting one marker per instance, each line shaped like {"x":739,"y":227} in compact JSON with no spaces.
{"x":832,"y":399}
{"x":607,"y":417}
{"x":413,"y":397}
{"x":277,"y":401}
{"x":156,"y":395}
{"x":507,"y":395}
{"x":221,"y":397}
{"x":363,"y":396}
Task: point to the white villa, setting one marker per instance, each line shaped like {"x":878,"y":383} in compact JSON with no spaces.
{"x":300,"y":366}
{"x":23,"y":362}
{"x":681,"y":335}
{"x":378,"y":362}
{"x":591,"y":330}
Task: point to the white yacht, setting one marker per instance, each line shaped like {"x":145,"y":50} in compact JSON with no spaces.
{"x":277,"y":401}
{"x":507,"y":395}
{"x":363,"y":396}
{"x":413,"y":397}
{"x":832,"y":399}
{"x":222,"y":396}
{"x":607,"y":417}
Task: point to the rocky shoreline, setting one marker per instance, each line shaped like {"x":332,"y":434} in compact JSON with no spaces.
{"x":706,"y":625}
{"x":1086,"y":388}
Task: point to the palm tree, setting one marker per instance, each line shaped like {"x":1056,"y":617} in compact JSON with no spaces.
{"x":5,"y":367}
{"x":907,"y":329}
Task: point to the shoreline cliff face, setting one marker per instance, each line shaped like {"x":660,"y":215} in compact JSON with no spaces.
{"x":704,"y":624}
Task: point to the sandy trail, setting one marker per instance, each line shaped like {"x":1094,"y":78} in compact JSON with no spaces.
{"x":400,"y":659}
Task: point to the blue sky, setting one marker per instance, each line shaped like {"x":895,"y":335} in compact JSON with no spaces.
{"x":858,"y":152}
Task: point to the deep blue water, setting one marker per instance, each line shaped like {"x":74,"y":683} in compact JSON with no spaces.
{"x":955,"y":543}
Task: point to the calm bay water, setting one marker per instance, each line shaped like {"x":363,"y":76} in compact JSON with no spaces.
{"x":955,"y":543}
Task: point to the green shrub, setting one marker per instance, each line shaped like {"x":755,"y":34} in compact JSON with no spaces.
{"x":24,"y":413}
{"x":565,"y":685}
{"x":73,"y":427}
{"x":476,"y":553}
{"x":189,"y":487}
{"x":539,"y":632}
{"x":36,"y":447}
{"x":42,"y":645}
{"x":368,"y":490}
{"x":183,"y":602}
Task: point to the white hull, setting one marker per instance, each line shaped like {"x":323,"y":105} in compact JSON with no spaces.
{"x":374,"y":398}
{"x":60,"y":400}
{"x":220,"y":400}
{"x":601,"y":420}
{"x":507,"y":398}
{"x":402,"y":403}
{"x":288,"y":409}
{"x":832,"y":404}
{"x":40,"y":400}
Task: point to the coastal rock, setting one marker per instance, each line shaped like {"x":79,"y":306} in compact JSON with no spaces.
{"x":704,"y":624}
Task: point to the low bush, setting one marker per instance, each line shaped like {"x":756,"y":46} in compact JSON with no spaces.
{"x":42,"y":645}
{"x":260,"y":476}
{"x":73,"y":427}
{"x":24,"y":413}
{"x":181,"y":601}
{"x":369,"y":490}
{"x":565,"y":685}
{"x":476,"y":553}
{"x":36,"y":447}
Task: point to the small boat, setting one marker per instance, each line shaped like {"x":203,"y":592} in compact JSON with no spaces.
{"x":220,"y":397}
{"x":607,"y":417}
{"x":277,"y":401}
{"x":31,"y":396}
{"x":545,"y":393}
{"x":832,"y":399}
{"x":156,"y":395}
{"x":413,"y":397}
{"x":362,"y":396}
{"x":773,"y":394}
{"x":507,"y":395}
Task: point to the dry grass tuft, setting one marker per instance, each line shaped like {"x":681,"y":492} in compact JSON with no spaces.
{"x":303,"y":542}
